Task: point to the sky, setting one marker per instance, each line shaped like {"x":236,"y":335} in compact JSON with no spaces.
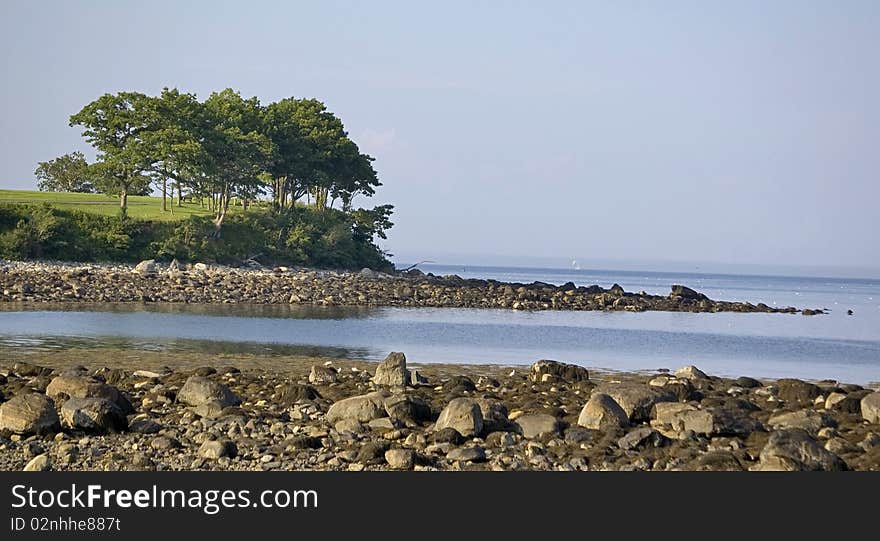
{"x":740,"y":133}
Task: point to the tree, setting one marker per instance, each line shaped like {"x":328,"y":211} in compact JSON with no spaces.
{"x":115,"y":124}
{"x":67,"y":173}
{"x":236,"y":152}
{"x":115,"y":177}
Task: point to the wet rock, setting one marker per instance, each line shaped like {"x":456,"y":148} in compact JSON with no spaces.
{"x":30,"y":413}
{"x":602,"y":412}
{"x":795,"y":391}
{"x":96,"y":415}
{"x":793,"y":449}
{"x":635,"y":399}
{"x":458,"y":385}
{"x":545,"y":371}
{"x":322,"y":375}
{"x":198,"y":390}
{"x":217,"y":449}
{"x":537,"y":425}
{"x":392,"y":371}
{"x":870,"y":407}
{"x":363,"y":408}
{"x":400,"y":459}
{"x":463,"y":415}
{"x":685,"y":292}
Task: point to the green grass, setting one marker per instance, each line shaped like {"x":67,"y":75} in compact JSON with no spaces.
{"x":139,"y":206}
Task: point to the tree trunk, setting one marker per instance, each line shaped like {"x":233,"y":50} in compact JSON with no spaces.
{"x":179,"y":195}
{"x":164,"y":194}
{"x":123,"y":199}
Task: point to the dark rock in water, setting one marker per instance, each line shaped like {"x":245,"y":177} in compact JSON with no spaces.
{"x":811,"y":312}
{"x":97,"y":415}
{"x":458,"y":385}
{"x":793,"y":449}
{"x":291,"y":393}
{"x":687,"y":293}
{"x":551,"y":371}
{"x":795,"y":391}
{"x":198,"y":390}
{"x":447,"y":435}
{"x":747,"y":383}
{"x":617,"y":290}
{"x":29,"y":413}
{"x":849,"y":312}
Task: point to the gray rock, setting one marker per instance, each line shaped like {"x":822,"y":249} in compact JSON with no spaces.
{"x":97,"y":415}
{"x":690,"y":372}
{"x":871,"y":407}
{"x":362,"y":408}
{"x":545,"y":371}
{"x":146,"y":267}
{"x":416,"y":379}
{"x":494,"y":415}
{"x":39,"y":463}
{"x":322,"y":375}
{"x":30,"y":413}
{"x":635,"y":399}
{"x":795,"y":391}
{"x":292,"y":393}
{"x":400,"y":459}
{"x":164,"y":443}
{"x":602,"y":412}
{"x":212,"y":409}
{"x":686,"y":293}
{"x":793,"y":449}
{"x":216,"y":449}
{"x":392,"y":371}
{"x":809,"y":420}
{"x":467,"y":454}
{"x":643,"y":436}
{"x":537,"y":425}
{"x":349,"y":425}
{"x":409,"y":409}
{"x":86,"y":387}
{"x":197,"y":390}
{"x":463,"y":415}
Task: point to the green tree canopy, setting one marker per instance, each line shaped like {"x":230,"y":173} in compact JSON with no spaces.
{"x":67,"y":173}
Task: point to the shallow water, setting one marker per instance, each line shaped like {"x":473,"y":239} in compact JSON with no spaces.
{"x":835,"y":346}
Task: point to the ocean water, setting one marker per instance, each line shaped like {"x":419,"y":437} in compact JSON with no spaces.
{"x":832,"y":346}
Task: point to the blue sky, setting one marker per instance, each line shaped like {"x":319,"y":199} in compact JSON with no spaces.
{"x":732,"y":132}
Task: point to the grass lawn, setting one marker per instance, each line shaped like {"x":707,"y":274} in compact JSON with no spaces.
{"x":139,"y":206}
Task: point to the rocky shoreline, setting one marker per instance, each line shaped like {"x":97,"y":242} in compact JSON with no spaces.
{"x":308,"y":414}
{"x":149,"y":282}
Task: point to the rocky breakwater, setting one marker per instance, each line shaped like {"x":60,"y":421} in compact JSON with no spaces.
{"x":552,"y":416}
{"x":152,"y":282}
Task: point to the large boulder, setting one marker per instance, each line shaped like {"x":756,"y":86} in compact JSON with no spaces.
{"x":198,"y":390}
{"x":871,"y":407}
{"x":463,"y":415}
{"x":323,"y":375}
{"x":410,"y":409}
{"x":807,"y":419}
{"x":719,"y":421}
{"x":685,"y":292}
{"x":602,"y":412}
{"x":392,"y":371}
{"x":797,"y":392}
{"x":362,"y":408}
{"x":64,"y":386}
{"x":495,"y":415}
{"x":97,"y":415}
{"x":545,"y":371}
{"x":535,"y":425}
{"x":291,"y":393}
{"x":636,"y":399}
{"x":690,"y":372}
{"x":146,"y":267}
{"x":793,"y":449}
{"x":30,"y":413}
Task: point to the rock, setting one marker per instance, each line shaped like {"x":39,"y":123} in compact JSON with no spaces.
{"x":463,"y":415}
{"x":39,"y":463}
{"x":795,"y":391}
{"x":578,"y":435}
{"x":467,"y":454}
{"x":495,"y":415}
{"x":292,"y":393}
{"x":545,"y":371}
{"x":871,"y":407}
{"x":164,"y":443}
{"x":400,"y":459}
{"x":97,"y":415}
{"x":667,"y":413}
{"x":793,"y":449}
{"x":383,"y":424}
{"x":212,"y":409}
{"x":806,"y":419}
{"x":198,"y":390}
{"x":411,"y":410}
{"x":348,"y":425}
{"x":687,"y":293}
{"x":216,"y":449}
{"x":537,"y":425}
{"x":690,"y":372}
{"x":635,"y":399}
{"x":363,"y":408}
{"x":457,"y":385}
{"x":30,"y":413}
{"x":322,"y":375}
{"x":602,"y":412}
{"x":717,"y":461}
{"x":447,"y":435}
{"x":747,"y":383}
{"x":372,"y":452}
{"x":680,"y":388}
{"x":643,"y":436}
{"x":416,"y":379}
{"x":392,"y":371}
{"x":87,"y":387}
{"x":144,"y":426}
{"x":27,"y":370}
{"x":146,"y":267}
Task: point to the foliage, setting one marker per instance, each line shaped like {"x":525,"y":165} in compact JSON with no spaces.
{"x":67,"y":173}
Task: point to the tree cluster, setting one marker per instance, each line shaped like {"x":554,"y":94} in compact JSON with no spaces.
{"x":223,"y":149}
